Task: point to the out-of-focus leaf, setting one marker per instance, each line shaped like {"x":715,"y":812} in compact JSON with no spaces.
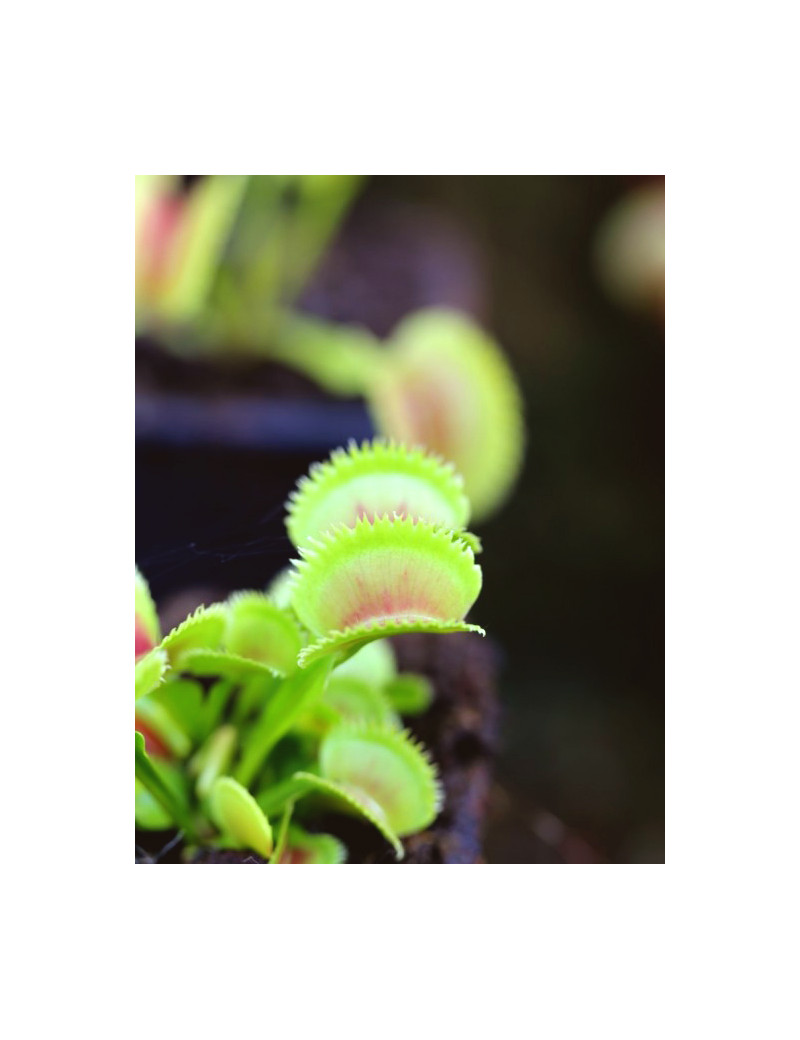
{"x":237,"y":814}
{"x":293,"y":697}
{"x":259,"y":630}
{"x":446,"y":384}
{"x":202,"y":630}
{"x":210,"y":209}
{"x":208,"y":664}
{"x":148,"y":775}
{"x":339,"y":358}
{"x":409,"y":694}
{"x":183,"y":699}
{"x":150,"y":813}
{"x":148,"y":633}
{"x":214,"y":758}
{"x":384,"y":766}
{"x":374,"y":663}
{"x":357,"y":701}
{"x":150,"y":672}
{"x":161,"y":722}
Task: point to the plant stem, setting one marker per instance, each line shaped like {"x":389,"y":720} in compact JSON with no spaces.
{"x":280,"y":844}
{"x":147,"y":774}
{"x":294,"y":696}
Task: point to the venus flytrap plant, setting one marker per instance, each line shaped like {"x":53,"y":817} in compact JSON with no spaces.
{"x":263,"y":710}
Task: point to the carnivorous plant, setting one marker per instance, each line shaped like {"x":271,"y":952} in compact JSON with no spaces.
{"x":255,"y":714}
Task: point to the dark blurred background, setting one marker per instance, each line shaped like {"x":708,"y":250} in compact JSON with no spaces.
{"x":574,"y":563}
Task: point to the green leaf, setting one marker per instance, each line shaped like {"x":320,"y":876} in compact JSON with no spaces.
{"x":150,"y":778}
{"x":274,"y":798}
{"x":371,"y":481}
{"x":210,"y":209}
{"x":386,"y":767}
{"x":348,"y":699}
{"x":285,"y":225}
{"x":214,"y":758}
{"x":409,"y":694}
{"x":150,"y":813}
{"x":181,"y":712}
{"x":260,"y":630}
{"x":289,"y":702}
{"x":322,"y":201}
{"x":446,"y":384}
{"x":379,"y":578}
{"x":318,"y":720}
{"x":150,"y":672}
{"x":339,"y":358}
{"x":237,"y":814}
{"x":355,"y":700}
{"x":183,"y":700}
{"x":374,"y":663}
{"x":216,"y":700}
{"x":148,"y":633}
{"x":221,"y":664}
{"x":202,"y":630}
{"x":159,"y":719}
{"x":280,"y":845}
{"x":251,"y":699}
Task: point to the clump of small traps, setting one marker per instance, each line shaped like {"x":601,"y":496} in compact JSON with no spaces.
{"x":256,"y":715}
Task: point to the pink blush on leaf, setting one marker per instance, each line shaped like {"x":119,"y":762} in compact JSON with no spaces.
{"x":144,"y":641}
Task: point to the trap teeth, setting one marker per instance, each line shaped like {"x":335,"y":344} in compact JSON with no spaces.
{"x":375,"y":480}
{"x":386,"y":573}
